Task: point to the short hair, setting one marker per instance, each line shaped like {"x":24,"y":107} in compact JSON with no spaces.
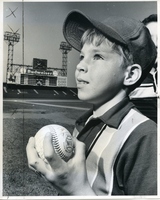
{"x":150,"y":18}
{"x":96,"y":37}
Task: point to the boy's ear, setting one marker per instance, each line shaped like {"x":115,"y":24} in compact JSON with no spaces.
{"x":132,"y":74}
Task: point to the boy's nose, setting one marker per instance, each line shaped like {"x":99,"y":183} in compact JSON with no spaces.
{"x":82,"y":66}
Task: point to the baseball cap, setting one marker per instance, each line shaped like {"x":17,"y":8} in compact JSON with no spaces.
{"x":126,"y":32}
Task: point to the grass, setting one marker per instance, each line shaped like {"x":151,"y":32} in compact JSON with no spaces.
{"x":20,"y":122}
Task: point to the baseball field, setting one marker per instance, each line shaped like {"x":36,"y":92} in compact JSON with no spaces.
{"x":23,"y":117}
{"x":21,"y":120}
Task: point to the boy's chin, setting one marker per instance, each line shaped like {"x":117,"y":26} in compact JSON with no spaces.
{"x":86,"y":99}
{"x":83,"y":97}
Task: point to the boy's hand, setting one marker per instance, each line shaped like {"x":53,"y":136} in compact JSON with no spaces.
{"x":69,"y":178}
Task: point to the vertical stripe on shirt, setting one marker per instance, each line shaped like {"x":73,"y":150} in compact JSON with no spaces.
{"x":109,"y":144}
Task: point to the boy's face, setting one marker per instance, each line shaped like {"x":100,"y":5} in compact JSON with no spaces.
{"x":99,"y":74}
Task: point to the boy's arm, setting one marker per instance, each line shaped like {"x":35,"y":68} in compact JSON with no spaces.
{"x":136,"y":168}
{"x":69,"y":178}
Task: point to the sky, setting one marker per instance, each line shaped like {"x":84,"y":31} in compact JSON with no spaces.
{"x":43,"y":22}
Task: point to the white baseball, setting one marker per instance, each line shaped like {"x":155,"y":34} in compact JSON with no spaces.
{"x":61,"y":139}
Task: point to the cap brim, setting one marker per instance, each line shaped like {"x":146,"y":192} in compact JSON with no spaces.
{"x":77,"y":23}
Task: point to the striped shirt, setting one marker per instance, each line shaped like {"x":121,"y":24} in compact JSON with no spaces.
{"x":123,"y":159}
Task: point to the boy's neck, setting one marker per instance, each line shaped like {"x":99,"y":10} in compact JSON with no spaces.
{"x":100,"y":110}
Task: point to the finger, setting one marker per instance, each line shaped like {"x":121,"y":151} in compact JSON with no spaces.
{"x":30,"y":150}
{"x":30,"y":142}
{"x":34,"y":162}
{"x":79,"y":150}
{"x":51,"y":156}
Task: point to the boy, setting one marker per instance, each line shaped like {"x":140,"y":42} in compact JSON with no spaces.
{"x":119,"y":157}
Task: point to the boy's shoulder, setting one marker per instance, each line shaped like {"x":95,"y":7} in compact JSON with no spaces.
{"x":145,"y":130}
{"x":137,"y":161}
{"x":123,"y":115}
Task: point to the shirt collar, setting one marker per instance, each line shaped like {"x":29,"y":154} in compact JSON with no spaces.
{"x":112,"y":117}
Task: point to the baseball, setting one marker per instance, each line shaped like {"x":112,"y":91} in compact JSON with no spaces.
{"x":61,"y":139}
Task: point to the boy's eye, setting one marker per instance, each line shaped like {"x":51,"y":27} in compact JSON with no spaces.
{"x":98,"y":57}
{"x":81,"y":57}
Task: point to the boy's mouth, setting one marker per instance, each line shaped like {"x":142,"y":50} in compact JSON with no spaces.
{"x":81,"y":81}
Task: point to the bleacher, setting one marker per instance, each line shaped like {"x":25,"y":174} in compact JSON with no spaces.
{"x":147,"y":106}
{"x":38,"y":92}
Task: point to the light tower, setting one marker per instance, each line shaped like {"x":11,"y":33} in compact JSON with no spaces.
{"x":12,"y":38}
{"x":65,"y":48}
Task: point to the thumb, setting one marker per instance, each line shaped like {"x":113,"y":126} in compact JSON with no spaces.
{"x":49,"y":152}
{"x":80,"y":149}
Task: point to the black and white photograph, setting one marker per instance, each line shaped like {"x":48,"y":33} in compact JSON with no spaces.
{"x":79,"y":100}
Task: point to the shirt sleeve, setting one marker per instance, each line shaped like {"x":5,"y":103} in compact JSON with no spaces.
{"x":136,"y":165}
